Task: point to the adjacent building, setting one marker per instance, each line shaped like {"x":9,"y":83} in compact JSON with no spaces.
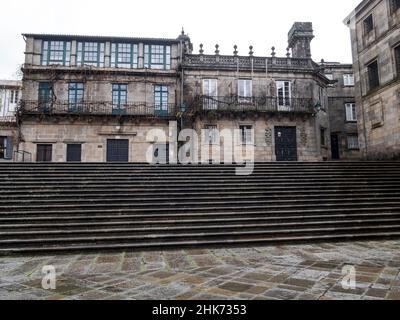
{"x":95,"y":99}
{"x":375,"y":34}
{"x":10,"y":95}
{"x":342,"y":111}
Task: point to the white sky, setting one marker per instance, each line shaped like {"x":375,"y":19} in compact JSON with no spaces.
{"x":260,"y":23}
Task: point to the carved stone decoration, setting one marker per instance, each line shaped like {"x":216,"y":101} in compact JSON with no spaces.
{"x":268,"y":136}
{"x":235,"y":53}
{"x":201,"y":51}
{"x":303,"y":136}
{"x":217,"y":49}
{"x":251,"y":53}
{"x":273,"y":53}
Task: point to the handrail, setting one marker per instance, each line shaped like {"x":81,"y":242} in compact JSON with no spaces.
{"x":26,"y":156}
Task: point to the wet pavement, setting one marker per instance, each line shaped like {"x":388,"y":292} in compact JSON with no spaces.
{"x":298,"y":272}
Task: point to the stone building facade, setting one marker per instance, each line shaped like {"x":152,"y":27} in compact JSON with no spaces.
{"x":95,"y":99}
{"x":10,"y":95}
{"x":342,"y":111}
{"x":374,"y":27}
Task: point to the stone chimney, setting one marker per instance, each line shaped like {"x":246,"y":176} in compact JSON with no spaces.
{"x":300,"y":37}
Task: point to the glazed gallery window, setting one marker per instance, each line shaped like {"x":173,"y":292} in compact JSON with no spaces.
{"x":373,"y":75}
{"x":90,"y":54}
{"x":369,"y":24}
{"x":119,"y":98}
{"x":284,"y":93}
{"x":210,"y":93}
{"x":246,"y":134}
{"x":348,"y":80}
{"x":75,"y":96}
{"x":157,"y":57}
{"x":211,"y":134}
{"x":351,"y":112}
{"x":352,"y":142}
{"x":124,"y":55}
{"x":161,"y":100}
{"x":56,"y":53}
{"x":245,"y":90}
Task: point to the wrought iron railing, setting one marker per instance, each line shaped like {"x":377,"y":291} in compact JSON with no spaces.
{"x":163,"y":110}
{"x":259,"y":104}
{"x":22,"y":156}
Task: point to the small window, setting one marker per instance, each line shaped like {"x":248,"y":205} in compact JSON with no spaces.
{"x":6,"y":148}
{"x":373,"y":75}
{"x":397,"y":58}
{"x":161,"y":101}
{"x":74,"y":152}
{"x":284,"y":93}
{"x":369,"y":24}
{"x":351,"y":112}
{"x":323,"y":137}
{"x":157,"y":57}
{"x":352,"y":142}
{"x":395,"y":5}
{"x":44,"y":153}
{"x":119,"y":98}
{"x":75,"y":96}
{"x":211,"y":134}
{"x":246,"y":133}
{"x":348,"y":80}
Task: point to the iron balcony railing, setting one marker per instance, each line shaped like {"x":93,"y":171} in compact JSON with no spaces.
{"x":259,"y":104}
{"x":22,"y":156}
{"x":162,"y":110}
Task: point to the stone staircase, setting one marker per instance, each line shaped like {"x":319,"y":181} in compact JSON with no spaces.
{"x":95,"y":207}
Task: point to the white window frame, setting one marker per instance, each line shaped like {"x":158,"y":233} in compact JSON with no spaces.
{"x":287,"y":100}
{"x":348,"y":80}
{"x":245,"y":86}
{"x":351,"y":112}
{"x":353,"y":144}
{"x":246,"y":137}
{"x":210,"y":90}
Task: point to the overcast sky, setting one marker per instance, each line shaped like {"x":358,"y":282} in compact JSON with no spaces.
{"x":260,"y":23}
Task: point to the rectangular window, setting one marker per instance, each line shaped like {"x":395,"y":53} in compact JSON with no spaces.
{"x":161,"y":100}
{"x":284,"y":93}
{"x":45,"y":96}
{"x":246,"y":133}
{"x":369,"y":24}
{"x":124,"y":55}
{"x":75,"y":96}
{"x":56,"y":53}
{"x":245,"y":90}
{"x":211,"y":134}
{"x":373,"y":75}
{"x":6,"y":148}
{"x":351,"y":112}
{"x":90,"y":54}
{"x":329,"y":76}
{"x":348,"y":80}
{"x":119,"y":98}
{"x":323,"y":136}
{"x":395,"y":5}
{"x":397,"y":59}
{"x":157,"y":57}
{"x":352,"y":142}
{"x":210,"y":92}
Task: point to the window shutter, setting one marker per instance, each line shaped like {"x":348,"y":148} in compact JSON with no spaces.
{"x":9,"y":148}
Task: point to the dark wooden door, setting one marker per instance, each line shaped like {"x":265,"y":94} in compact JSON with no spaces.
{"x":74,"y":153}
{"x":335,"y":147}
{"x":117,"y":150}
{"x":44,"y":152}
{"x":286,"y":144}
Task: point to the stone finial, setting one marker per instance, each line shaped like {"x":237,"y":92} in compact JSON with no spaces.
{"x":217,"y":49}
{"x":201,"y":49}
{"x":288,"y":52}
{"x":183,"y":31}
{"x":236,"y":51}
{"x":322,"y":62}
{"x":273,"y":53}
{"x":251,"y":51}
